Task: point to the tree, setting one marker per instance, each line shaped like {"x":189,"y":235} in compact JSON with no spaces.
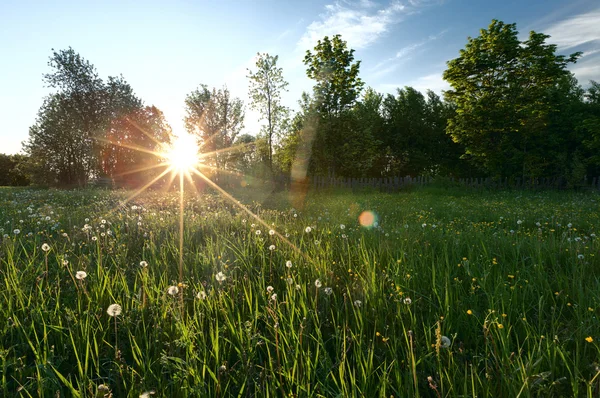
{"x":415,"y":139}
{"x":215,"y":119}
{"x":13,"y":173}
{"x":89,"y":128}
{"x":502,"y":89}
{"x":266,"y":85}
{"x":590,"y":125}
{"x":78,"y":81}
{"x":335,"y":92}
{"x":333,"y":68}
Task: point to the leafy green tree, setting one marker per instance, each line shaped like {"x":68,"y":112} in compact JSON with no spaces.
{"x":337,"y":87}
{"x":415,"y":138}
{"x":361,"y":148}
{"x":590,"y":126}
{"x":286,"y":154}
{"x":215,"y":119}
{"x":333,"y":68}
{"x":89,"y":128}
{"x":13,"y":172}
{"x":266,"y":85}
{"x":60,"y":152}
{"x":502,"y":89}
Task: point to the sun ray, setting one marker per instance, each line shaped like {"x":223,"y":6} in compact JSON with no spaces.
{"x":139,"y":169}
{"x":248,"y":211}
{"x":137,"y":126}
{"x":142,"y":189}
{"x":225,"y":150}
{"x":129,"y":146}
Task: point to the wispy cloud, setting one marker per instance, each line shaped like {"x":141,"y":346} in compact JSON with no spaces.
{"x":402,"y":55}
{"x":576,"y":30}
{"x":360,"y":23}
{"x":579,"y":32}
{"x":432,"y":81}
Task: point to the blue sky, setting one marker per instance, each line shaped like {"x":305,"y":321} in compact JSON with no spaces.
{"x":166,"y":49}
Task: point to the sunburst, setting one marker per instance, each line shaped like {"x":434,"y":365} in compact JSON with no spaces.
{"x":182,"y":158}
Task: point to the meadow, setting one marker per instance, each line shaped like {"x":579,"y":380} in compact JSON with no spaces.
{"x":430,"y":293}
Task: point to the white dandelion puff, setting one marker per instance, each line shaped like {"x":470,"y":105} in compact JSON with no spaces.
{"x":114,"y":310}
{"x":318,"y":283}
{"x":446,"y":342}
{"x":288,"y":264}
{"x":173,"y":290}
{"x":220,"y":277}
{"x":81,"y":275}
{"x":45,"y":247}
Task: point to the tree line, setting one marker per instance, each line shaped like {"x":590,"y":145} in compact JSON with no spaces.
{"x":513,"y":110}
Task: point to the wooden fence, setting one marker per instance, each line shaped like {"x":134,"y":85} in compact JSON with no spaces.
{"x":392,"y":184}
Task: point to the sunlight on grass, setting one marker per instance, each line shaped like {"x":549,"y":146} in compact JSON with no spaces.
{"x":444,"y":294}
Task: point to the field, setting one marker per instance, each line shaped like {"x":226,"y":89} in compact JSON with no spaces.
{"x":431,"y":293}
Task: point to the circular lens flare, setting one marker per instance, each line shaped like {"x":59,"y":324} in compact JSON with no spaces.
{"x":367,"y":219}
{"x":183,"y":153}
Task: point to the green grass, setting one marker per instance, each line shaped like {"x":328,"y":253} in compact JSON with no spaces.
{"x":517,"y":300}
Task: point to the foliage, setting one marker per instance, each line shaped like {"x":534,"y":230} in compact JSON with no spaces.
{"x":215,"y":119}
{"x":266,"y":85}
{"x":89,"y":128}
{"x":502,"y":89}
{"x":13,"y":170}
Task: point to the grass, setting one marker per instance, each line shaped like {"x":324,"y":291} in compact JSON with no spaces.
{"x":511,"y":279}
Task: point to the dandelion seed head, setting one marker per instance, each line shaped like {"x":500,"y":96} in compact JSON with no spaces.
{"x":220,"y":277}
{"x":307,"y":230}
{"x":114,"y":310}
{"x":288,"y":264}
{"x":81,"y":275}
{"x":173,"y":290}
{"x":271,"y":232}
{"x":446,"y":342}
{"x":272,"y":247}
{"x":45,"y":247}
{"x":143,"y":264}
{"x":318,"y":283}
{"x":328,"y":291}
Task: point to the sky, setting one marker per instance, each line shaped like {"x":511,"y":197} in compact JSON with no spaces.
{"x":167,"y":49}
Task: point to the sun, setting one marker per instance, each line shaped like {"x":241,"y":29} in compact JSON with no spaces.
{"x":182,"y":154}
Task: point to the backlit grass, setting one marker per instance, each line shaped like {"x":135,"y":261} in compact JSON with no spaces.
{"x":441,"y":293}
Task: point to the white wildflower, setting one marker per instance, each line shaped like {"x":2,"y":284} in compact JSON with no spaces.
{"x":114,"y":310}
{"x":81,"y":275}
{"x":220,"y":277}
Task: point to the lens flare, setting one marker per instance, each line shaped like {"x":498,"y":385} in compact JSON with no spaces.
{"x":367,"y":218}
